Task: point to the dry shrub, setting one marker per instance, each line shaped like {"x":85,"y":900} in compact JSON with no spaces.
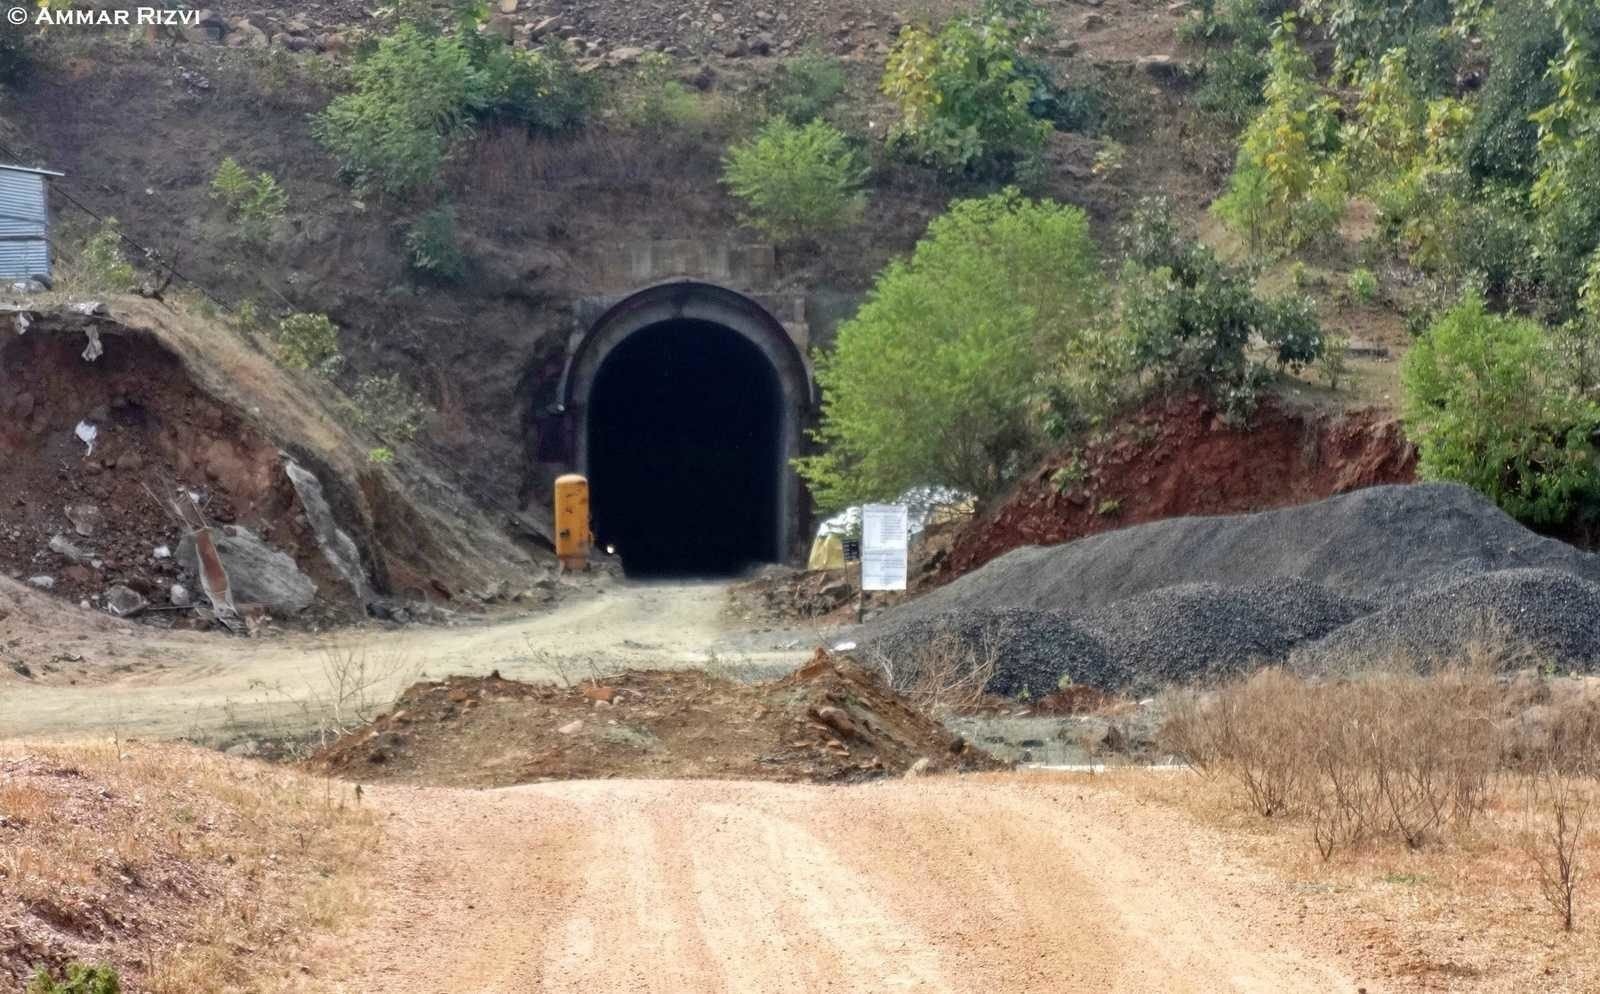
{"x":944,"y":673}
{"x":1555,"y":746}
{"x":358,"y":685}
{"x":1387,"y":755}
{"x":1557,"y":807}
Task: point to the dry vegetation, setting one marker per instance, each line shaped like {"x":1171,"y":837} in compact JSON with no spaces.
{"x":1448,"y":817}
{"x":945,"y":674}
{"x":182,"y":869}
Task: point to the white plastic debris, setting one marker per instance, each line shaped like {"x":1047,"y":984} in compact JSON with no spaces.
{"x":94,"y":349}
{"x":843,"y":646}
{"x":42,"y":582}
{"x":22,"y":321}
{"x":87,"y":433}
{"x":62,"y":546}
{"x":163,"y":552}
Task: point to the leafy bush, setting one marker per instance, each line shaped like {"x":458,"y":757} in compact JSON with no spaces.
{"x":938,"y":378}
{"x":1286,"y":188}
{"x":541,"y":88}
{"x":1236,"y":38}
{"x":797,"y":181}
{"x":417,"y":92}
{"x":254,"y":204}
{"x":1334,"y":365}
{"x":380,"y":456}
{"x":431,"y":242}
{"x":101,"y":265}
{"x":1577,"y":342}
{"x":414,"y":94}
{"x":1485,"y":401}
{"x":1363,"y":286}
{"x":1189,"y":318}
{"x":388,"y":408}
{"x":966,"y":101}
{"x":1362,"y":30}
{"x":80,"y":979}
{"x":806,"y":88}
{"x":309,"y":341}
{"x":651,"y":99}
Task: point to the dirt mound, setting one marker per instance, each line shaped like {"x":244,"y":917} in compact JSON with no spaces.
{"x":1517,"y":618}
{"x":177,"y":403}
{"x":827,"y":722}
{"x":180,"y":868}
{"x":1182,"y":459}
{"x":1029,"y":650}
{"x":82,"y":516}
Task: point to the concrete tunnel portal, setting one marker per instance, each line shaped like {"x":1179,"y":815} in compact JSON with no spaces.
{"x":688,"y":401}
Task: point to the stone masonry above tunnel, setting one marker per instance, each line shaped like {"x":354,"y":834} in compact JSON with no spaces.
{"x":684,"y":404}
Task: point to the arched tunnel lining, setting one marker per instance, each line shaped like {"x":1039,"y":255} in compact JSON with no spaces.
{"x":685,"y":450}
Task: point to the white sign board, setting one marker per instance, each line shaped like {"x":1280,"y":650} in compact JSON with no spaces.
{"x":883,"y":547}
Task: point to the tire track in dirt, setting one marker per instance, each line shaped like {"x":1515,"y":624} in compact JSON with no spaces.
{"x":998,"y":884}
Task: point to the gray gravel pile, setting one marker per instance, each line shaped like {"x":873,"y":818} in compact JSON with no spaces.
{"x":1196,"y":632}
{"x":1193,"y":598}
{"x":1373,"y":544}
{"x":1519,"y":618}
{"x":1031,"y":649}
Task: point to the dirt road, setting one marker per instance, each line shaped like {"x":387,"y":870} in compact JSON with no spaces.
{"x":137,"y":682}
{"x":1000,"y":884}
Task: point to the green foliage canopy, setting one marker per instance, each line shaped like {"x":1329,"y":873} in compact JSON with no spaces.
{"x":797,"y":181}
{"x":967,"y":100}
{"x":938,"y":379}
{"x":1488,"y":406}
{"x":419,"y":91}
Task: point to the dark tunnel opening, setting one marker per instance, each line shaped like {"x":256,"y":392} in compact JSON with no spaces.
{"x":685,"y":436}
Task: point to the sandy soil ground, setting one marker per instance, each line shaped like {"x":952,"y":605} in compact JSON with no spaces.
{"x":140,"y":683}
{"x":999,"y":883}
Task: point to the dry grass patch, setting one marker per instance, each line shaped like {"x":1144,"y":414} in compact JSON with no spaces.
{"x":185,"y":870}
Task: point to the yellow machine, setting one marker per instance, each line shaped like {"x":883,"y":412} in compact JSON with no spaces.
{"x":572,"y":521}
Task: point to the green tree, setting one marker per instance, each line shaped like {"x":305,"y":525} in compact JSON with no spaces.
{"x":1487,"y":404}
{"x":1286,"y":188}
{"x":1567,"y":191}
{"x":1503,"y":141}
{"x":254,"y":205}
{"x":1362,"y":30}
{"x":967,"y":98}
{"x":797,"y":182}
{"x":939,"y":378}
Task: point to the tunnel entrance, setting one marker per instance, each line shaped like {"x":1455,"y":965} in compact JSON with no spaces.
{"x":685,"y":451}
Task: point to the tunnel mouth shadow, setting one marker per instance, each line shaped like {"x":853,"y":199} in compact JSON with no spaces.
{"x":685,"y":452}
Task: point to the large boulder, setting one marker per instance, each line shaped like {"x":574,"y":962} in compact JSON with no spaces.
{"x":257,"y":573}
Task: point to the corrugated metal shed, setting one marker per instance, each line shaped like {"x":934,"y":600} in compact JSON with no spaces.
{"x":24,"y":222}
